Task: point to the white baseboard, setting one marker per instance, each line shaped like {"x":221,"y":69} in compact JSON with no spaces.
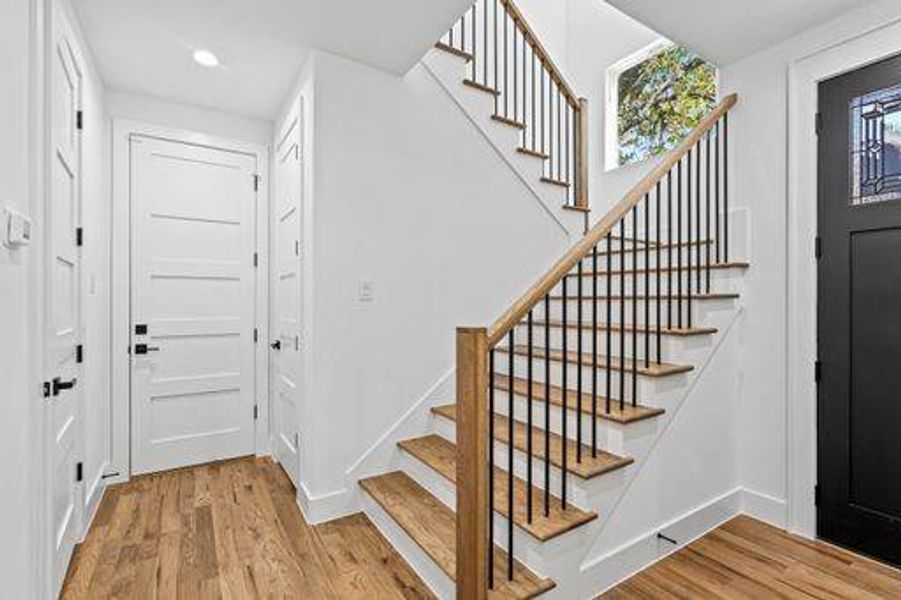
{"x":765,"y":508}
{"x":320,"y":508}
{"x":93,"y":496}
{"x":618,"y":565}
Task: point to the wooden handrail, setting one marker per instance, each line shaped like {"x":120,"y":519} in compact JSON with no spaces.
{"x":537,"y":292}
{"x":542,"y":54}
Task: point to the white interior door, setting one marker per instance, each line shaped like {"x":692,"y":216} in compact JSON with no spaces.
{"x":63,"y":300}
{"x":193,"y":223}
{"x":286,"y":288}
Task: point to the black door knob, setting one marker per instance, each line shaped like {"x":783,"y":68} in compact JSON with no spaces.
{"x":276,"y":345}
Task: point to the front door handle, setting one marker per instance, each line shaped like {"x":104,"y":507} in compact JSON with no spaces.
{"x":59,"y":385}
{"x":144,"y":348}
{"x":276,"y":345}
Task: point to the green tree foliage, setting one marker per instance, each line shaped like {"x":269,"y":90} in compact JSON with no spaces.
{"x":661,"y":100}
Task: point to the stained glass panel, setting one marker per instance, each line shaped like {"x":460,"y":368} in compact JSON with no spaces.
{"x":876,"y":147}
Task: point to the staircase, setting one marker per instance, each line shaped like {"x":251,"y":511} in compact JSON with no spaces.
{"x":558,"y":400}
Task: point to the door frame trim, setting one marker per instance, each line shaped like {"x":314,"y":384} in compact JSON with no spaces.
{"x":871,"y":45}
{"x":119,"y":468}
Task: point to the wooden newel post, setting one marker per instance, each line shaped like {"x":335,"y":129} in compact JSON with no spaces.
{"x":582,"y":155}
{"x":472,"y":464}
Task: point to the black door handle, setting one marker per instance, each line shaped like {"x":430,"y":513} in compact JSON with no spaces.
{"x":276,"y":345}
{"x":144,"y":349}
{"x":60,"y":385}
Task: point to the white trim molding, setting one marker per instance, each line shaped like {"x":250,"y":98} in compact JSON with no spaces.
{"x":119,"y":468}
{"x":804,"y":76}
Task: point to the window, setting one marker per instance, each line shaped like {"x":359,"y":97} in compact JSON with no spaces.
{"x":655,"y":98}
{"x":876,"y":147}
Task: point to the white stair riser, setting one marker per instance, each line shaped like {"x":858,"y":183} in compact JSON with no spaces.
{"x":701,"y":310}
{"x":581,"y":492}
{"x":671,"y":346}
{"x":721,"y":281}
{"x":442,"y":585}
{"x":528,"y":550}
{"x":647,"y":386}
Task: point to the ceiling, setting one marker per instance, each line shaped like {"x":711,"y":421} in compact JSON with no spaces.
{"x":724,"y":31}
{"x":145,"y":46}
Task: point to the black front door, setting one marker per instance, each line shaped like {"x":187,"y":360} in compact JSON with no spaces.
{"x":859,"y":311}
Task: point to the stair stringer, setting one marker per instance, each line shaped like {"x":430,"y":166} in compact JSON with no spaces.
{"x":448,"y":71}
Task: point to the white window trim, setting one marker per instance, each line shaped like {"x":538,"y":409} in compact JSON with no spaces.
{"x":611,"y":105}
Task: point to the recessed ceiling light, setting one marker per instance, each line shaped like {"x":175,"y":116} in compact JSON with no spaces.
{"x":206,"y":58}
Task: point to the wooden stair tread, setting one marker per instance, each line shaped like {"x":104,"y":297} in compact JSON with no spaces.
{"x":653,"y":297}
{"x":629,"y":413}
{"x":583,"y":209}
{"x":591,"y":466}
{"x":482,"y":88}
{"x":455,"y":51}
{"x":616,"y":364}
{"x":530,"y":152}
{"x":556,"y":182}
{"x":441,"y":455}
{"x":641,"y":329}
{"x":433,"y":526}
{"x":508,"y":121}
{"x":675,"y":269}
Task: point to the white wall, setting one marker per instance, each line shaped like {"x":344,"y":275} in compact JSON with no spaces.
{"x":137,"y":107}
{"x":408,"y":195}
{"x":759,"y":131}
{"x":18,"y":387}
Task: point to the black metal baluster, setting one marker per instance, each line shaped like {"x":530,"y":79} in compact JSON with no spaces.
{"x":515,"y":71}
{"x":669,"y":249}
{"x":647,"y":277}
{"x":511,"y":434}
{"x":608,"y":391}
{"x":699,"y":265}
{"x":564,"y":374}
{"x":525,"y":87}
{"x":726,"y":187}
{"x":716,"y":234}
{"x":636,"y":235}
{"x":506,"y":63}
{"x":579,"y":371}
{"x":622,"y":317}
{"x":496,"y":70}
{"x":688,"y":241}
{"x":543,"y":118}
{"x":679,"y":244}
{"x":463,"y":33}
{"x":534,"y":122}
{"x":547,"y":405}
{"x":659,"y":273}
{"x":707,"y":212}
{"x":559,"y":136}
{"x":529,"y":424}
{"x":594,"y":353}
{"x":491,"y":413}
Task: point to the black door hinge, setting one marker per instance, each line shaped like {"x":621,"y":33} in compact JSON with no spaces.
{"x":818,"y":247}
{"x":256,"y":335}
{"x":79,"y":120}
{"x":256,"y":259}
{"x":46,"y":389}
{"x":256,"y":412}
{"x":79,"y":353}
{"x":818,"y":125}
{"x":79,"y":471}
{"x":79,"y":236}
{"x":108,"y":475}
{"x":817,"y":371}
{"x":256,"y":183}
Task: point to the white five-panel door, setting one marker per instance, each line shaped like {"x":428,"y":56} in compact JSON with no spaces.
{"x":63,"y":302}
{"x":192,"y":305}
{"x":286,"y":288}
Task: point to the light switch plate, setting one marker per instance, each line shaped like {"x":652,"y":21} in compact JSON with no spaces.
{"x":15,"y":228}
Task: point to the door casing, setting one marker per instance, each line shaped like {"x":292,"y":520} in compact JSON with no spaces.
{"x":120,"y":463}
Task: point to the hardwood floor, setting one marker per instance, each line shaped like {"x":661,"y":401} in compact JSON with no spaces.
{"x":230,"y":530}
{"x":748,"y":559}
